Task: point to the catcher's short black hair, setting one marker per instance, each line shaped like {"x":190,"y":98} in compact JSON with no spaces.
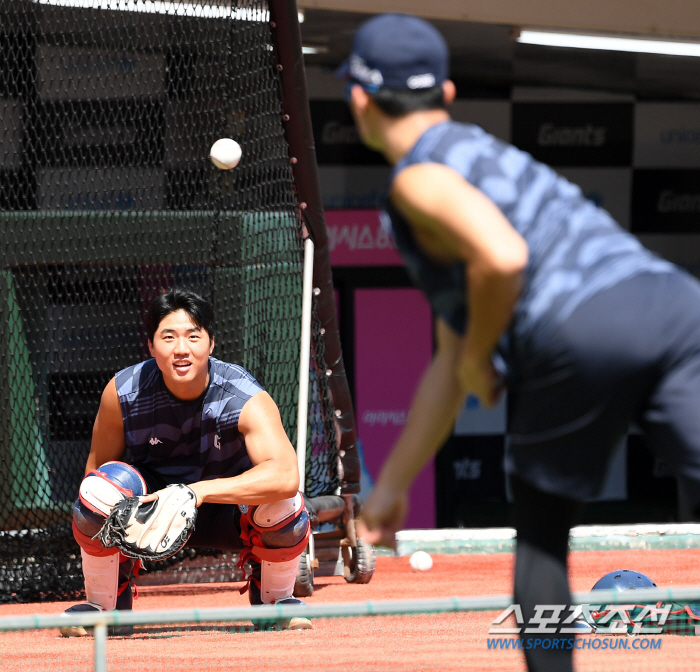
{"x":200,"y":311}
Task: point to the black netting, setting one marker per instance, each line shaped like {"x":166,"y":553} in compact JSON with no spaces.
{"x":107,"y":112}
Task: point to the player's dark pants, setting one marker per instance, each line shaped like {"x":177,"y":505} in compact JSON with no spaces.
{"x":630,"y":354}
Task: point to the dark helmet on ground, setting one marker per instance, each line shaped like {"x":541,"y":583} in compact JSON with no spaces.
{"x":624,"y":579}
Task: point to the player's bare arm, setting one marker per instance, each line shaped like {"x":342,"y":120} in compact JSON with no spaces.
{"x":275,"y":472}
{"x":433,"y":412}
{"x":452,"y":220}
{"x":108,"y":431}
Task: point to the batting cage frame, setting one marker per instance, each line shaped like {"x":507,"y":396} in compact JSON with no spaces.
{"x":356,"y":562}
{"x":107,"y":197}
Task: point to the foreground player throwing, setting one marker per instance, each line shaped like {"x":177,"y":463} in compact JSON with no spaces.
{"x":184,"y":417}
{"x":534,"y":288}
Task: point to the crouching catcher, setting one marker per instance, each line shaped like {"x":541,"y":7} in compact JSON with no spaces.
{"x":188,"y":451}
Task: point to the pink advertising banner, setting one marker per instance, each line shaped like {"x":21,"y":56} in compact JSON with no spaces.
{"x":356,"y":238}
{"x":393,"y":347}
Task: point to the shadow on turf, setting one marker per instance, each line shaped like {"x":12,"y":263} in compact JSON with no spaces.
{"x":169,"y":631}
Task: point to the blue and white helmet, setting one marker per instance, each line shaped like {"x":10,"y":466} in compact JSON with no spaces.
{"x":624,"y":579}
{"x":621,"y":580}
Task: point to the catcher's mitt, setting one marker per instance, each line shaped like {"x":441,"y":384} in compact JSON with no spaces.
{"x":151,"y":530}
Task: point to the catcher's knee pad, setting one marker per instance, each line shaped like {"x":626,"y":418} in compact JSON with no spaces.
{"x":277,"y":531}
{"x":100,"y":490}
{"x":276,"y":534}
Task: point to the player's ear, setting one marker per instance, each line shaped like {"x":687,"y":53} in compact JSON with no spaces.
{"x":211,"y":345}
{"x":360,"y":98}
{"x":449,"y":92}
{"x":150,"y":348}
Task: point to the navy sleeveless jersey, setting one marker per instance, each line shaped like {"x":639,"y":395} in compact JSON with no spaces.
{"x":188,"y":441}
{"x":575,"y":248}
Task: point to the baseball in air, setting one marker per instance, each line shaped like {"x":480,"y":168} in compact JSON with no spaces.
{"x":420,"y":561}
{"x":225,"y":153}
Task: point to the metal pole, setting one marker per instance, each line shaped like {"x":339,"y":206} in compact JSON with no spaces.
{"x":100,"y":636}
{"x":304,"y":359}
{"x":286,"y":36}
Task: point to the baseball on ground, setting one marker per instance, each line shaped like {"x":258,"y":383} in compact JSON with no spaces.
{"x":421,"y":561}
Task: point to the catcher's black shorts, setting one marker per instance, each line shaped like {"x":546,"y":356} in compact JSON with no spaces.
{"x":630,"y":354}
{"x":218,"y":526}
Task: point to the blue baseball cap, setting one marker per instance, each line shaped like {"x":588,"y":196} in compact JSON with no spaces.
{"x":397,"y":51}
